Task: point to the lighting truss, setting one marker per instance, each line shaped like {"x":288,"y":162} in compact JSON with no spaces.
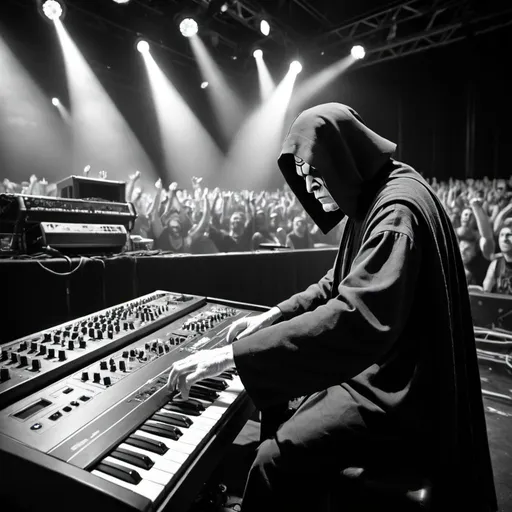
{"x":411,"y":27}
{"x":437,"y":37}
{"x":248,"y":15}
{"x":313,"y":12}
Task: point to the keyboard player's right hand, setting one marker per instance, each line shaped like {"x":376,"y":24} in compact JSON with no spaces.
{"x":249,"y":325}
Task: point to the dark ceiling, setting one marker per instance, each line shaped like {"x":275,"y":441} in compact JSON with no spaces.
{"x":299,"y":27}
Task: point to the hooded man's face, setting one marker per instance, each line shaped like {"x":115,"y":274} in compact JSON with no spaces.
{"x":315,"y":185}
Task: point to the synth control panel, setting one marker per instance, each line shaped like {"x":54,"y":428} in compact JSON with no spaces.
{"x":62,"y":417}
{"x":42,"y":358}
{"x":89,"y":229}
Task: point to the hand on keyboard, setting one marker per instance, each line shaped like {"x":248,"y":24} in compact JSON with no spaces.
{"x":198,"y":366}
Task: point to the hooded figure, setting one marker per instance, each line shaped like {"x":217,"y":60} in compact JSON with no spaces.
{"x":382,"y":347}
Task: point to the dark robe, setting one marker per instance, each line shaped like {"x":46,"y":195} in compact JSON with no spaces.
{"x":389,"y":328}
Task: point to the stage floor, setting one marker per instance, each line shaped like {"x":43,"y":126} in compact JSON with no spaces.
{"x":498,"y":415}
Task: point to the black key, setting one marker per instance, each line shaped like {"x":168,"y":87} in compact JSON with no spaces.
{"x":127,"y":475}
{"x":194,"y":393}
{"x":162,"y":430}
{"x":213,"y":383}
{"x":179,"y":420}
{"x":179,"y":407}
{"x":168,"y":419}
{"x":203,"y":393}
{"x":147,"y":444}
{"x":226,"y":375}
{"x":133,"y":458}
{"x":190,"y":403}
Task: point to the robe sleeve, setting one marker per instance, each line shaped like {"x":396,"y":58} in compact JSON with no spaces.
{"x":309,"y":299}
{"x":342,"y":337}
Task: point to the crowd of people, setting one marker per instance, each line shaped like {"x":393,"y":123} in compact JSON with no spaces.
{"x":199,"y":220}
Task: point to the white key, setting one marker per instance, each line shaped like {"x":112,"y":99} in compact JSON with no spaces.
{"x":193,"y":436}
{"x":169,"y":466}
{"x":145,"y":488}
{"x":215,"y":411}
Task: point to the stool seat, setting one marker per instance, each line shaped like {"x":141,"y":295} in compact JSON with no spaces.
{"x":363,"y":489}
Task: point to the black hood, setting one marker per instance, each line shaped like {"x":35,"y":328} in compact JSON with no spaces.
{"x":349,"y":156}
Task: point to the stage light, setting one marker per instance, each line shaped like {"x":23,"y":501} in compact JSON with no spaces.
{"x":204,"y":85}
{"x":224,"y":7}
{"x":357,"y":52}
{"x":122,"y":1}
{"x":188,"y":27}
{"x":55,"y":102}
{"x":52,"y":9}
{"x":265,"y":27}
{"x":143,"y":46}
{"x":296,"y":67}
{"x":258,"y":53}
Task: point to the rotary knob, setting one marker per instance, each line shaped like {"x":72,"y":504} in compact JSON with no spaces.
{"x":36,"y":365}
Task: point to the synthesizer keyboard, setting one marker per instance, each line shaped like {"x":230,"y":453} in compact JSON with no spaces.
{"x":101,"y":424}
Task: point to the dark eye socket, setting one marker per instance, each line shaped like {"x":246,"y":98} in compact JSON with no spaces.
{"x":312,"y":170}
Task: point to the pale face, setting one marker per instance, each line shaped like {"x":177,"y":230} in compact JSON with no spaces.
{"x":505,"y":240}
{"x":315,"y":185}
{"x":467,"y":251}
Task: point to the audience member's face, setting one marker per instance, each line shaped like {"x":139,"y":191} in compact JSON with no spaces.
{"x":237,"y":222}
{"x":299,"y":226}
{"x":466,"y":217}
{"x":260,"y":220}
{"x":505,"y":240}
{"x":315,"y":185}
{"x":467,"y":251}
{"x":175,"y":228}
{"x":274,"y":221}
{"x":501,"y":186}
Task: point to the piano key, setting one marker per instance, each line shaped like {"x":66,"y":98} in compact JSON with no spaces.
{"x":113,"y":469}
{"x":161,"y":430}
{"x":214,"y":383}
{"x":145,"y":488}
{"x":177,"y":407}
{"x":147,"y":444}
{"x":179,"y":419}
{"x":152,"y":475}
{"x":160,"y":461}
{"x":134,"y":458}
{"x":198,"y":393}
{"x":206,"y":389}
{"x":174,"y":446}
{"x":166,"y":455}
{"x":199,"y":422}
{"x":168,"y":420}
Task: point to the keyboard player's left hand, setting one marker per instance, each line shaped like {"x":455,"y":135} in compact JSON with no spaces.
{"x":198,"y":366}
